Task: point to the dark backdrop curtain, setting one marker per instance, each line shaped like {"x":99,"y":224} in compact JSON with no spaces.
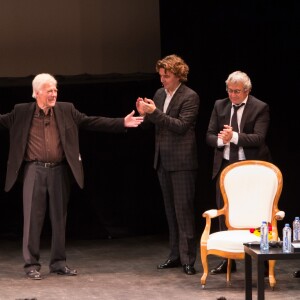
{"x":257,"y":37}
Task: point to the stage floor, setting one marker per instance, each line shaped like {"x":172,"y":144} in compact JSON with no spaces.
{"x":125,"y":269}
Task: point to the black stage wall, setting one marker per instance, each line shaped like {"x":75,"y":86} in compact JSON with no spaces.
{"x":259,"y":38}
{"x":122,"y":195}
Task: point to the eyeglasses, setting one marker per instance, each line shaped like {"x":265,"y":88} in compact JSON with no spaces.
{"x":236,"y":92}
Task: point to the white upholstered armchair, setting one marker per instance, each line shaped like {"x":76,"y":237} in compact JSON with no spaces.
{"x":251,"y":190}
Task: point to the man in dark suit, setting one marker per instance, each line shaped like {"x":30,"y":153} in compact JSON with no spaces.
{"x":248,"y":140}
{"x":174,"y":111}
{"x":44,"y":146}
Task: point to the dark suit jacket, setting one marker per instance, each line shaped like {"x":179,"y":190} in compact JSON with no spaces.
{"x":253,"y":130}
{"x":68,"y":119}
{"x":175,"y":139}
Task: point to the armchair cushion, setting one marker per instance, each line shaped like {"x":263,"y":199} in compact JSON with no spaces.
{"x":231,"y":240}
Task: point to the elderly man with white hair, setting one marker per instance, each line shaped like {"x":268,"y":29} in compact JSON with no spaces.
{"x":44,"y":148}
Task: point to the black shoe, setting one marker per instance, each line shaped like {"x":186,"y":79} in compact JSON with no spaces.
{"x":222,"y":267}
{"x":65,"y":271}
{"x":189,"y":269}
{"x":169,"y":264}
{"x":296,"y":274}
{"x":34,"y":274}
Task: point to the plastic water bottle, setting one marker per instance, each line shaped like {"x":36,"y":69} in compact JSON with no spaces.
{"x":264,"y":240}
{"x":296,"y":229}
{"x":287,"y":239}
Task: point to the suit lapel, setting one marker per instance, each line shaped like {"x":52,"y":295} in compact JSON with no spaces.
{"x":161,"y":100}
{"x":26,"y":122}
{"x":175,"y":98}
{"x":246,"y":112}
{"x":59,"y":116}
{"x":227,"y":113}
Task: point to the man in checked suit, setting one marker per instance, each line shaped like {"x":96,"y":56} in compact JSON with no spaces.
{"x":44,"y":146}
{"x":174,"y":111}
{"x":253,"y":121}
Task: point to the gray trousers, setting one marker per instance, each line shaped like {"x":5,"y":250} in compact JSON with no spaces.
{"x":178,"y":189}
{"x":42,"y":188}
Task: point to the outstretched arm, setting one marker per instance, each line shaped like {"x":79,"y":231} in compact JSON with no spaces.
{"x":131,"y":121}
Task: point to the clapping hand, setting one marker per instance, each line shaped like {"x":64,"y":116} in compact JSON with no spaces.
{"x":225,"y":134}
{"x":145,"y":106}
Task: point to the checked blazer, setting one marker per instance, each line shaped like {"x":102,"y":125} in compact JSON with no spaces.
{"x":175,"y":140}
{"x":175,"y":160}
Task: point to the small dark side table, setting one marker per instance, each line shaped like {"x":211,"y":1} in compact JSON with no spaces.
{"x":252,"y":251}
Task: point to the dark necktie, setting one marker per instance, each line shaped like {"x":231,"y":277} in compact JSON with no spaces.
{"x":233,"y":154}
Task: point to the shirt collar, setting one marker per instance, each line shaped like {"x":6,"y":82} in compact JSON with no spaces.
{"x":245,"y":101}
{"x":39,"y":112}
{"x":174,"y":90}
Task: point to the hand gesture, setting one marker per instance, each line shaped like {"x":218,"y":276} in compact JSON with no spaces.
{"x":146,"y":106}
{"x":131,"y":121}
{"x":139,"y":106}
{"x":225,"y":134}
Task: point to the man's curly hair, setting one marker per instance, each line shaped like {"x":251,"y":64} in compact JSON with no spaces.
{"x":175,"y":65}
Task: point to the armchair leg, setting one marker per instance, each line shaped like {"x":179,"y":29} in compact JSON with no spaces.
{"x":205,"y":268}
{"x":228,"y":275}
{"x":203,"y":280}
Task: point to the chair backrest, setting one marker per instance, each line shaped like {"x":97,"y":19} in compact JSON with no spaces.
{"x":251,"y":191}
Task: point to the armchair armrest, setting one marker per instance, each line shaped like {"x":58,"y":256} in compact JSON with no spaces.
{"x":208,"y":215}
{"x":280,"y":215}
{"x":213,"y":213}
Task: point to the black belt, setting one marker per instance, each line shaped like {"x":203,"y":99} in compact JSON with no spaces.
{"x":47,"y":164}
